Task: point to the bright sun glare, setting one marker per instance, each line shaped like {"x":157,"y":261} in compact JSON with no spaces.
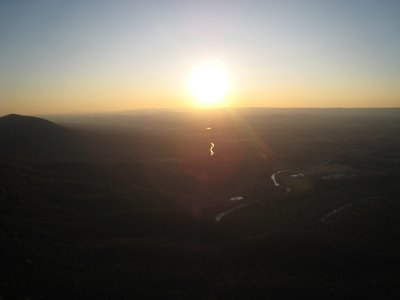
{"x":209,"y":83}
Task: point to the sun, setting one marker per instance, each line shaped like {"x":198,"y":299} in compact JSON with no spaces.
{"x":209,"y":83}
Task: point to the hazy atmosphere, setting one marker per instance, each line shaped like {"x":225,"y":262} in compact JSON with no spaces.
{"x":199,"y":149}
{"x":88,"y":56}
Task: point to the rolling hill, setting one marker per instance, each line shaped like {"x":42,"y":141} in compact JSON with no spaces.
{"x":32,"y":136}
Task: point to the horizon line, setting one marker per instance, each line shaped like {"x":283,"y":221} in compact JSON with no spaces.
{"x":205,"y":109}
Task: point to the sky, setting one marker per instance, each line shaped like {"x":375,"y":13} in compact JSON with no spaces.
{"x":96,"y":56}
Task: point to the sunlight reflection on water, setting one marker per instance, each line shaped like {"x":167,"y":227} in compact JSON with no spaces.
{"x":212,"y":148}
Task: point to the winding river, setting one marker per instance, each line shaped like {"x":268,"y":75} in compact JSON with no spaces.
{"x":274,"y":179}
{"x":344,"y":207}
{"x":276,"y":183}
{"x":212,"y":145}
{"x":223,"y":214}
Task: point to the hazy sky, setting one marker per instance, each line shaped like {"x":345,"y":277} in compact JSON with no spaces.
{"x":79,"y":56}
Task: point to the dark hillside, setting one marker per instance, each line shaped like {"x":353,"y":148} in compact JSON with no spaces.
{"x":31,"y":136}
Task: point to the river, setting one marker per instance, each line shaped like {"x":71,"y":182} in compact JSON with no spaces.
{"x":212,"y":145}
{"x":223,"y":214}
{"x":276,"y":183}
{"x":274,"y":179}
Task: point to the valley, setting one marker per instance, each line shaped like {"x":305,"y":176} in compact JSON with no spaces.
{"x":282,"y":203}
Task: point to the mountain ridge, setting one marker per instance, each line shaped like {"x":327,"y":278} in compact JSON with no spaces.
{"x":32,"y":136}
